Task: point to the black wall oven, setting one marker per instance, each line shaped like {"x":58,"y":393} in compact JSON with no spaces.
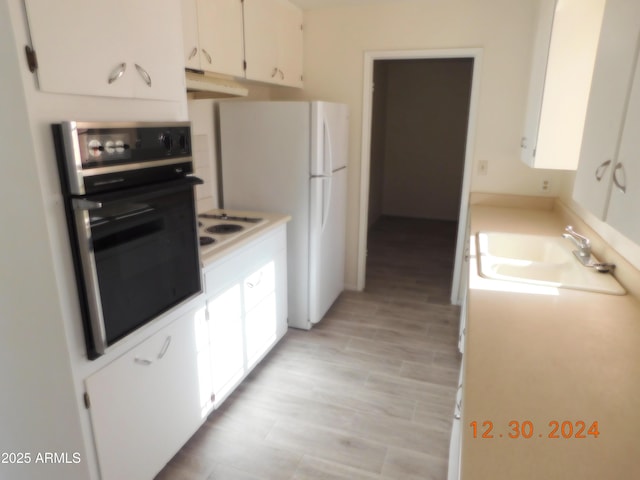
{"x":131,"y":215}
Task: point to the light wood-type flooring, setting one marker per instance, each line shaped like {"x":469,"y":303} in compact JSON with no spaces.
{"x":366,"y":394}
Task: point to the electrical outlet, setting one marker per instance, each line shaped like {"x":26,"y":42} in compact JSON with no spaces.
{"x":483,"y":167}
{"x":545,"y":186}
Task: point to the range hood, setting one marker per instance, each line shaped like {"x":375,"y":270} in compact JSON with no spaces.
{"x":205,"y":85}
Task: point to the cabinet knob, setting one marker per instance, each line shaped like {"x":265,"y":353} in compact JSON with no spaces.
{"x":622,"y":185}
{"x":601,"y":169}
{"x":144,"y":74}
{"x":117,"y":73}
{"x":165,"y":347}
{"x":143,"y":361}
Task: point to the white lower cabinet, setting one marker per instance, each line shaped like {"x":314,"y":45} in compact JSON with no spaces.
{"x":145,"y":405}
{"x":247,"y":308}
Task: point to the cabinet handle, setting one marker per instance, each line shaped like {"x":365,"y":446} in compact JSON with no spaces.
{"x":601,"y":169}
{"x":143,"y":361}
{"x":256,"y":283}
{"x":622,"y":186}
{"x":117,"y":72}
{"x":206,"y":55}
{"x":281,"y":74}
{"x":143,"y":73}
{"x":275,"y":72}
{"x":523,"y":142}
{"x":165,"y":347}
{"x":193,"y":53}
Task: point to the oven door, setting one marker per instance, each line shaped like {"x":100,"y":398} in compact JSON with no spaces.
{"x":138,"y":251}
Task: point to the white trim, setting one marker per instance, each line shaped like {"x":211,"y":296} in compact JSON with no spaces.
{"x":367,"y":98}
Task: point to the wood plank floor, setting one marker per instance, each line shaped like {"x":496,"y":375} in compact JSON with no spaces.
{"x":366,"y":394}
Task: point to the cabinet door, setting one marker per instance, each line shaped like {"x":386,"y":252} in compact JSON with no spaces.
{"x":610,"y":86}
{"x":89,"y":47}
{"x":561,"y":77}
{"x":156,"y":49}
{"x":290,"y":43}
{"x":624,"y":207}
{"x":265,"y":305}
{"x":80,"y":45}
{"x":191,"y":42}
{"x":261,"y":23}
{"x":221,"y":36}
{"x":149,"y":402}
{"x":226,"y":337}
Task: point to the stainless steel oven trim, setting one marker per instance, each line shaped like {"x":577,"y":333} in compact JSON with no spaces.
{"x":72,"y":151}
{"x":87,"y":258}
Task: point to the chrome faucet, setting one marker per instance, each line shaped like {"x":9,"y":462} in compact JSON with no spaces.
{"x":583,"y":253}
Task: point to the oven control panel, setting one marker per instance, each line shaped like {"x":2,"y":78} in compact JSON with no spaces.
{"x":100,"y":146}
{"x":99,"y":157}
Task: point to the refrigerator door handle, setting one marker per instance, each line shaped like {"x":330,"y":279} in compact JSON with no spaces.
{"x":327,"y":150}
{"x":326,"y":201}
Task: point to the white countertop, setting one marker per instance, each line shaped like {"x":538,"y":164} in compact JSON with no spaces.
{"x":556,"y":355}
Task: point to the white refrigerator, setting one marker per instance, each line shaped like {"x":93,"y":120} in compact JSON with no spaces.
{"x":291,"y":157}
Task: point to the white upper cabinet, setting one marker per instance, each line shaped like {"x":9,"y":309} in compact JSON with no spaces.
{"x":213,"y":36}
{"x":624,"y":207}
{"x":273,"y":42}
{"x":89,"y":47}
{"x":610,"y":93}
{"x":290,"y":45}
{"x":562,"y":64}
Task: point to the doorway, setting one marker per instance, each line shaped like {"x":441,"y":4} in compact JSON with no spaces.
{"x":418,"y":128}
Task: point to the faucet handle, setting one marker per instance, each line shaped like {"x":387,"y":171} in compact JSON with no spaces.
{"x":582,"y":238}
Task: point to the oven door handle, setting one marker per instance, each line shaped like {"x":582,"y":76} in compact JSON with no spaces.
{"x":97,"y":200}
{"x":84,"y":204}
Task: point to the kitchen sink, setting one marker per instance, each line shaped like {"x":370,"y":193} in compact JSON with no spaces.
{"x":539,"y":260}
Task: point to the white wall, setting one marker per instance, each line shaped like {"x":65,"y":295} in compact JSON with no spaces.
{"x":204,"y":134}
{"x":335,"y":42}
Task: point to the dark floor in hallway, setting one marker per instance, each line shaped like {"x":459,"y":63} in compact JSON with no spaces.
{"x":366,"y":394}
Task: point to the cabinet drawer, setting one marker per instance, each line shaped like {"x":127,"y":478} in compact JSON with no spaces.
{"x":259,"y":284}
{"x":246,"y":261}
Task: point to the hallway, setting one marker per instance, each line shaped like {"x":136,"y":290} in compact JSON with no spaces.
{"x":367,"y":394}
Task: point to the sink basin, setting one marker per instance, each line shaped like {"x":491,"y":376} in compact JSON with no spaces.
{"x":539,"y":260}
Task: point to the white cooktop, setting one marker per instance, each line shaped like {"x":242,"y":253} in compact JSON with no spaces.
{"x":218,"y":227}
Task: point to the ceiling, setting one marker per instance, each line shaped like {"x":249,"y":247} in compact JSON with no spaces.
{"x":315,"y":4}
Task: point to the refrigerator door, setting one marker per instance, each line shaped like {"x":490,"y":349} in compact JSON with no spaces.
{"x":329,"y":126}
{"x":326,"y":241}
